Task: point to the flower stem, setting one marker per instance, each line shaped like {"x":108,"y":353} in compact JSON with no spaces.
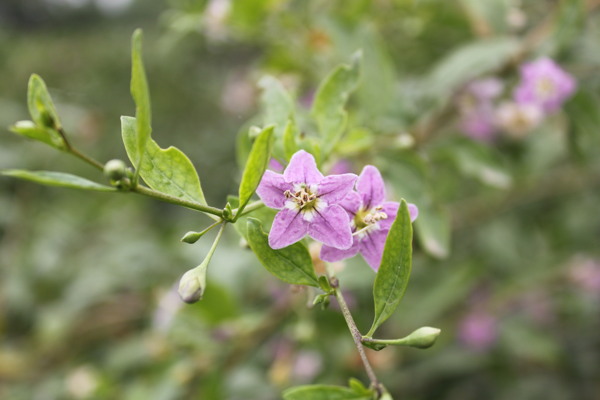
{"x":87,"y":159}
{"x":176,"y":200}
{"x":247,"y":209}
{"x":356,"y":336}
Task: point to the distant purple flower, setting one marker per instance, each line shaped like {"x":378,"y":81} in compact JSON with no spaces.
{"x":371,"y":219}
{"x":478,"y":330}
{"x":476,"y":108}
{"x":308,"y":202}
{"x":545,"y":84}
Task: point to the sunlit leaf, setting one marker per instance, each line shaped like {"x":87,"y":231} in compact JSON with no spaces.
{"x":330,"y":100}
{"x":433,"y":230}
{"x":394,"y":270}
{"x":291,"y":264}
{"x":58,"y":179}
{"x":323,"y":392}
{"x":165,"y":170}
{"x":141,"y":97}
{"x":257,"y":163}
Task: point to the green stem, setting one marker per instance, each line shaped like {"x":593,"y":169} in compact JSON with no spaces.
{"x":216,"y":242}
{"x":356,"y":336}
{"x":393,"y":342}
{"x":248,"y":209}
{"x":175,"y":200}
{"x":87,"y":159}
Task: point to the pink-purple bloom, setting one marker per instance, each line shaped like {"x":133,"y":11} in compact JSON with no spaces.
{"x":478,"y":330}
{"x":476,"y":108}
{"x":371,"y":218}
{"x":308,"y":202}
{"x":544,"y":84}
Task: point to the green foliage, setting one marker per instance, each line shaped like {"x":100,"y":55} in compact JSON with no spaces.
{"x":330,"y":100}
{"x":324,"y":392}
{"x":291,"y":264}
{"x":168,"y":170}
{"x":393,"y":274}
{"x":141,"y":96}
{"x":58,"y":179}
{"x":257,"y":163}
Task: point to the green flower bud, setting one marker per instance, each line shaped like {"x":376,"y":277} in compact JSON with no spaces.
{"x":192,"y":284}
{"x":422,"y":338}
{"x":115,"y":170}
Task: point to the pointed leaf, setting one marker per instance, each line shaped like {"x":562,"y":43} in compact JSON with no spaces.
{"x":278,"y":108}
{"x":433,"y":230}
{"x":40,"y":104}
{"x":394,"y":271}
{"x":332,"y":95}
{"x":37,"y":132}
{"x":290,"y":146}
{"x":58,"y":179}
{"x":257,"y":163}
{"x":324,"y":392}
{"x":291,"y":264}
{"x":141,"y":97}
{"x":165,"y":170}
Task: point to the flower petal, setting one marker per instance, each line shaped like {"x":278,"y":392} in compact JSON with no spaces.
{"x":370,"y":186}
{"x":391,"y":209}
{"x":351,"y":203}
{"x":288,"y":228}
{"x":371,"y":247}
{"x":331,"y":226}
{"x":334,"y":188}
{"x":331,"y":254}
{"x":302,"y":169}
{"x":271,"y":189}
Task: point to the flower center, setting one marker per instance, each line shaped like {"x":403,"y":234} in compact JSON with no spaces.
{"x":366,"y":220}
{"x":302,"y":195}
{"x":545,"y":88}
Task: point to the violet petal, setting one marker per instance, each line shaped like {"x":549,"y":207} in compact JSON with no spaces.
{"x":288,"y":228}
{"x":331,"y":226}
{"x":302,"y":169}
{"x":371,"y":247}
{"x":331,"y":254}
{"x":271,"y":189}
{"x":334,"y":188}
{"x":370,"y":186}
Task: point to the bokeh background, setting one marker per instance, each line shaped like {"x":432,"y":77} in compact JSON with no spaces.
{"x":507,"y":247}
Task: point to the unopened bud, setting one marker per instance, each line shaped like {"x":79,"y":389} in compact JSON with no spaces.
{"x":422,"y":338}
{"x":192,"y":284}
{"x":115,"y":170}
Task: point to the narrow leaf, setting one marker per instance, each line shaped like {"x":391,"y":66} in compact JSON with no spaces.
{"x":291,"y":264}
{"x":323,"y":392}
{"x":257,"y":163}
{"x":37,"y":132}
{"x":168,"y":170}
{"x":330,"y":100}
{"x":58,"y":179}
{"x":290,"y":146}
{"x":141,"y":97}
{"x":394,"y":271}
{"x":278,"y":108}
{"x":433,"y":230}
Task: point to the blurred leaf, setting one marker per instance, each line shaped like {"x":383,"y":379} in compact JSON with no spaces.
{"x":165,"y":170}
{"x":394,"y":271}
{"x":330,"y":99}
{"x":141,"y":97}
{"x":39,"y":102}
{"x":278,"y":109}
{"x":584,"y":120}
{"x":257,"y":163}
{"x":31,"y":130}
{"x":58,"y":179}
{"x":290,"y":146}
{"x":433,"y":230}
{"x":217,"y":304}
{"x":291,"y":264}
{"x":323,"y":392}
{"x":469,"y":62}
{"x":477,"y":160}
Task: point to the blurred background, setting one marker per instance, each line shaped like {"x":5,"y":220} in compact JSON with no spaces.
{"x":507,"y":250}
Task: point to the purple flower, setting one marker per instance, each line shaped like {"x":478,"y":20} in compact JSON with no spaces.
{"x":478,"y":330}
{"x":476,"y":108}
{"x":544,"y":84}
{"x":371,"y":219}
{"x":308,"y":202}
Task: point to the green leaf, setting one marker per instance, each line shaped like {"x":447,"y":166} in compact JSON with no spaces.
{"x":394,"y":270}
{"x":40,"y":104}
{"x":264,"y":214}
{"x":323,"y":392}
{"x":58,"y":179}
{"x":433,"y":230}
{"x":278,"y":109}
{"x":165,"y":170}
{"x":141,"y":97}
{"x":291,"y":264}
{"x":31,"y":130}
{"x":332,"y":95}
{"x":290,"y":146}
{"x":257,"y":163}
{"x":469,"y":62}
